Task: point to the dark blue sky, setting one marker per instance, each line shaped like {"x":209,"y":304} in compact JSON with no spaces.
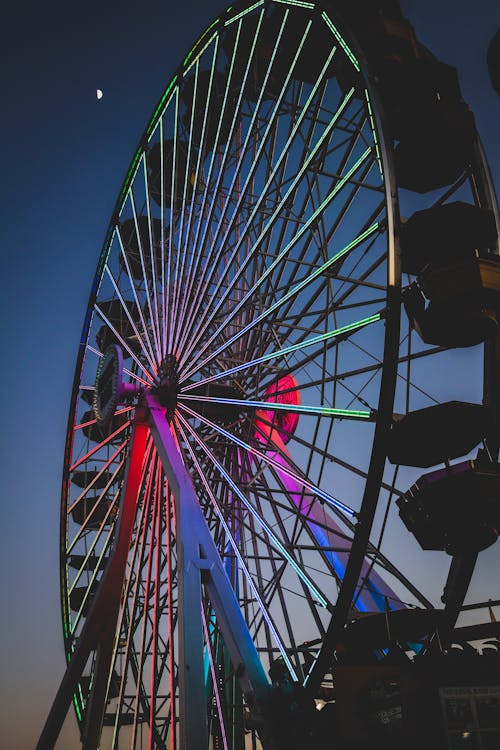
{"x":64,"y":155}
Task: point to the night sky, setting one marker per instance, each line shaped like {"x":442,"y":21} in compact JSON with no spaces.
{"x":64,"y":156}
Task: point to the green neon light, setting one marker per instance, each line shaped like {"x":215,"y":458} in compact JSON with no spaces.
{"x":197,"y":43}
{"x":202,"y":50}
{"x":244,"y":12}
{"x":298,"y":3}
{"x":321,"y":270}
{"x":326,"y":411}
{"x":374,"y":131}
{"x":77,"y":707}
{"x":169,"y":88}
{"x":308,"y":342}
{"x":340,"y":40}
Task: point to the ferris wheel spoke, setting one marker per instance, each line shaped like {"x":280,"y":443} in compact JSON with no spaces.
{"x":212,"y":265}
{"x":155,"y":321}
{"x":197,"y":183}
{"x":271,"y":222}
{"x":146,"y":344}
{"x":306,"y":226}
{"x":199,"y":245}
{"x":129,"y":599}
{"x":142,"y":656}
{"x":335,"y":336}
{"x":325,"y":411}
{"x":145,"y":276}
{"x":107,"y":440}
{"x":278,"y":164}
{"x":263,"y":524}
{"x":252,"y":450}
{"x":122,"y":341}
{"x":306,"y":162}
{"x":230,"y":537}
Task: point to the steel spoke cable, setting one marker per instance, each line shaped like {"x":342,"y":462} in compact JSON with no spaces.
{"x":180,"y":256}
{"x":89,"y":593}
{"x":270,"y":224}
{"x":123,"y":343}
{"x":283,"y":253}
{"x":172,"y":264}
{"x":337,"y":334}
{"x":185,"y":246}
{"x":144,"y":274}
{"x":153,"y":258}
{"x":264,"y":525}
{"x":230,"y":538}
{"x":199,"y":247}
{"x":142,"y":652}
{"x":83,"y":527}
{"x":129,"y":604}
{"x":211,"y":265}
{"x":197,"y":252}
{"x":299,"y":287}
{"x":147,"y":350}
{"x":255,"y":162}
{"x":99,"y":445}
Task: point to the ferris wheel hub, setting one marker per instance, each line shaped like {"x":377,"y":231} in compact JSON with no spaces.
{"x":168,"y":388}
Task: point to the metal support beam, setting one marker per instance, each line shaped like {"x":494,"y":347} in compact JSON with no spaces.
{"x":197,"y":555}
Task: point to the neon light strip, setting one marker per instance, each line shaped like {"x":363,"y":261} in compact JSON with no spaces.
{"x":374,"y":132}
{"x":250,"y":176}
{"x":289,"y":349}
{"x":122,"y":341}
{"x":244,"y":13}
{"x":152,"y":255}
{"x":144,"y":275}
{"x":130,"y":318}
{"x":189,"y":272}
{"x":196,"y":59}
{"x":324,"y":411}
{"x":248,"y":180}
{"x":272,"y":462}
{"x":139,"y":306}
{"x":270,"y":224}
{"x":152,"y":124}
{"x":197,"y":250}
{"x":301,"y":285}
{"x":264,"y":525}
{"x":340,"y":40}
{"x":196,"y":44}
{"x":235,"y":548}
{"x":298,"y":3}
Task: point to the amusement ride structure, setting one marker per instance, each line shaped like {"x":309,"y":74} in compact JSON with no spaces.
{"x":285,"y":411}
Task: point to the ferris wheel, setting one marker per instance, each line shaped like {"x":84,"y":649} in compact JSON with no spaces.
{"x":286,"y":389}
